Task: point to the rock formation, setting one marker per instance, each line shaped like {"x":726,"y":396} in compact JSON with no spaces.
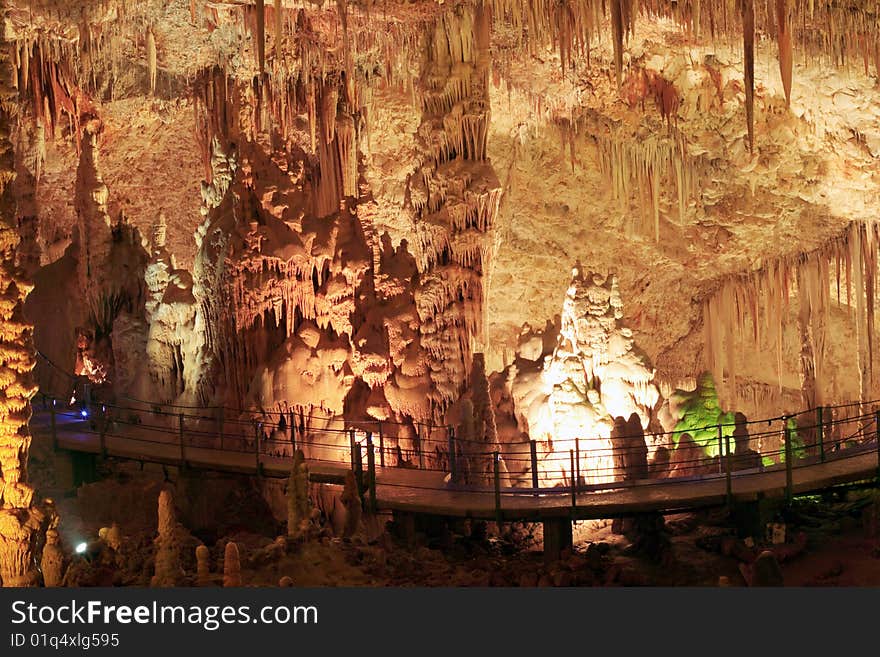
{"x":744,"y":456}
{"x":52,"y":562}
{"x":593,"y":374}
{"x":23,"y":522}
{"x":298,"y":505}
{"x":203,"y":566}
{"x":168,"y":571}
{"x":231,"y":566}
{"x":387,"y":196}
{"x":351,"y":500}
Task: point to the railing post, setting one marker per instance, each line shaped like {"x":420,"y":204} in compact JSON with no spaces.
{"x":789,"y":493}
{"x":371,"y":473}
{"x":573,"y":487}
{"x":877,"y":438}
{"x":359,"y":470}
{"x":54,"y":427}
{"x":180,"y":437}
{"x":292,"y":433}
{"x":257,"y":436}
{"x":497,"y":476}
{"x":220,"y":413}
{"x":422,"y":445}
{"x":381,"y":446}
{"x":577,"y":462}
{"x":351,"y":444}
{"x":820,"y":436}
{"x":728,"y":458}
{"x":103,"y":433}
{"x":533,"y":449}
{"x":451,"y":434}
{"x":720,"y":450}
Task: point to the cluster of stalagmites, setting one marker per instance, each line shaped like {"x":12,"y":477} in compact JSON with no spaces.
{"x":176,"y":558}
{"x":570,"y":381}
{"x":582,"y":384}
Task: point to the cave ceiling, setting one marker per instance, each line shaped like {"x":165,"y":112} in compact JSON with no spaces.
{"x":624,"y":135}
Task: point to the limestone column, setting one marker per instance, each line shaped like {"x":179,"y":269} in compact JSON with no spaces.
{"x":22,"y":524}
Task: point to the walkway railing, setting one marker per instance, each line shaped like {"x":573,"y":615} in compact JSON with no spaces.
{"x":564,"y":467}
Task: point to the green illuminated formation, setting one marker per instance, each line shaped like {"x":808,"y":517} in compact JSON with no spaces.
{"x":701,"y":414}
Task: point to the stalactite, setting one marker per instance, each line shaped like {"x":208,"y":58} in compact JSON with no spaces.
{"x":261,"y":35}
{"x":758,"y":314}
{"x":748,"y":31}
{"x":279,"y":32}
{"x":783,"y":35}
{"x":617,"y":33}
{"x":151,"y":59}
{"x":645,"y":166}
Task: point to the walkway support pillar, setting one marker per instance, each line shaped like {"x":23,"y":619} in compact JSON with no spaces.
{"x":557,"y":537}
{"x":405,"y":524}
{"x":573,"y":484}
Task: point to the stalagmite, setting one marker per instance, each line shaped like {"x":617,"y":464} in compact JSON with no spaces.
{"x":351,"y":499}
{"x":203,"y":566}
{"x":593,"y":374}
{"x":52,"y":562}
{"x":298,"y":507}
{"x":168,"y":572}
{"x":231,"y":566}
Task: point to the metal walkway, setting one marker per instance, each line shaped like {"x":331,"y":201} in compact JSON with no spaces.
{"x":427,"y":491}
